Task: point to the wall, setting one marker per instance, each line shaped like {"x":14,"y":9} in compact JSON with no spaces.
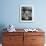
{"x":10,"y":13}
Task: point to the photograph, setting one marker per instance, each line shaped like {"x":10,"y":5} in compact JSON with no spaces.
{"x":26,"y":13}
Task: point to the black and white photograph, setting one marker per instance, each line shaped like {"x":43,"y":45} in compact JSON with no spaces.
{"x":26,"y":13}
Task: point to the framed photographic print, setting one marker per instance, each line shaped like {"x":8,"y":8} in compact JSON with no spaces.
{"x":26,"y":13}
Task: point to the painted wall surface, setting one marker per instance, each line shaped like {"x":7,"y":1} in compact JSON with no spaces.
{"x":9,"y":13}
